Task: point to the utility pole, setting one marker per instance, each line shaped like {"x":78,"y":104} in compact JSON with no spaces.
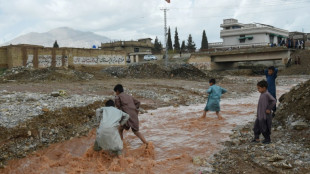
{"x":166,"y":35}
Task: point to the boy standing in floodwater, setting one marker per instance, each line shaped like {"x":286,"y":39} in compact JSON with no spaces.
{"x":213,"y":104}
{"x":271,"y":75}
{"x":107,"y":137}
{"x":131,"y":106}
{"x":263,"y":121}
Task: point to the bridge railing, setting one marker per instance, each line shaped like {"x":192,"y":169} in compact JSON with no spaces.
{"x":240,"y":47}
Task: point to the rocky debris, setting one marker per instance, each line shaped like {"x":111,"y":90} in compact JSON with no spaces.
{"x":55,"y":94}
{"x":59,"y":93}
{"x":299,"y":125}
{"x":24,"y":74}
{"x":283,"y":155}
{"x":152,"y":70}
{"x":294,"y":105}
{"x":289,"y":151}
{"x":47,"y":128}
{"x":16,"y":107}
{"x":284,"y":165}
{"x":199,"y":161}
{"x":302,"y":68}
{"x":240,"y":80}
{"x":276,"y":158}
{"x":166,"y":95}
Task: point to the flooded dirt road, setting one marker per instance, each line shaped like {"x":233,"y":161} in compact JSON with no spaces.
{"x":176,"y":135}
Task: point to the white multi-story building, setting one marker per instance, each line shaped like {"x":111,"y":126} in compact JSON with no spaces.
{"x":238,"y":34}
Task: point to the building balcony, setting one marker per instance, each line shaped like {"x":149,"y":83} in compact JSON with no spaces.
{"x":253,"y":30}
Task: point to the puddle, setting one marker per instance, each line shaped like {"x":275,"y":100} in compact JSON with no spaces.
{"x":177,"y":134}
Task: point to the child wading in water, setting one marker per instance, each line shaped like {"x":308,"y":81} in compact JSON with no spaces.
{"x":263,"y":121}
{"x":107,"y":137}
{"x":213,"y":104}
{"x":129,"y":105}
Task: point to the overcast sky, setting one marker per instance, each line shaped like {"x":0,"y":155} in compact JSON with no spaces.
{"x":133,"y":19}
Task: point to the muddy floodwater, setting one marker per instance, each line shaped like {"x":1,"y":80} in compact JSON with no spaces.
{"x":176,"y":135}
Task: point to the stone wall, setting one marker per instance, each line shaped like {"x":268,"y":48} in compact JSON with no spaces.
{"x":3,"y":58}
{"x":202,"y":62}
{"x":43,"y":57}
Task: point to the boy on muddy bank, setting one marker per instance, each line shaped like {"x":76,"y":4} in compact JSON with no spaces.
{"x":262,"y":123}
{"x":107,"y":137}
{"x":213,"y":104}
{"x":271,"y":75}
{"x":130,"y":105}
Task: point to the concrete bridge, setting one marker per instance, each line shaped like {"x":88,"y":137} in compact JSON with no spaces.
{"x":231,"y":59}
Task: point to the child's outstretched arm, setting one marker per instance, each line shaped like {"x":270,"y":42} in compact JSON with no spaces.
{"x":224,"y":90}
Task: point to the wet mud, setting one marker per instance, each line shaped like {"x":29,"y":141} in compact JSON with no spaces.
{"x":176,"y":136}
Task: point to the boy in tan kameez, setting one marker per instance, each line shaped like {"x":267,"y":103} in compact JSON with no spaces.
{"x":129,"y":105}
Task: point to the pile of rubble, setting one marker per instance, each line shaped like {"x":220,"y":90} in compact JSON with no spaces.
{"x":17,"y":107}
{"x":152,"y":70}
{"x":295,"y":105}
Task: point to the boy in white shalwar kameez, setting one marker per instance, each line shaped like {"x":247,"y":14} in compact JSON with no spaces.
{"x":108,"y":137}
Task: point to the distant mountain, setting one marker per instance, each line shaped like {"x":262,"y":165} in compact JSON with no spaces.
{"x":66,"y":37}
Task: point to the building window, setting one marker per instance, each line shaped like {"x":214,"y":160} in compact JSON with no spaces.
{"x":271,"y":38}
{"x":136,"y":50}
{"x":242,"y":39}
{"x":236,"y":27}
{"x":227,"y":28}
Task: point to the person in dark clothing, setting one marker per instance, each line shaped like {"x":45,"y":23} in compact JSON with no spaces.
{"x":271,"y":75}
{"x":263,"y":121}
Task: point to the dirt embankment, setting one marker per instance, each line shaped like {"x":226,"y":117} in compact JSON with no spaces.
{"x":299,"y":64}
{"x":289,"y":151}
{"x":295,"y":105}
{"x":22,"y":74}
{"x":45,"y":129}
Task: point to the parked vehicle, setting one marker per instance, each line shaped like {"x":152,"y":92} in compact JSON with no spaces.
{"x":150,"y":57}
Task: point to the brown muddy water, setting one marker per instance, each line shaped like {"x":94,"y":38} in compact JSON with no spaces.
{"x":176,"y":135}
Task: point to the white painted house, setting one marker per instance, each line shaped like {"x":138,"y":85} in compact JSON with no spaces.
{"x":235,"y":34}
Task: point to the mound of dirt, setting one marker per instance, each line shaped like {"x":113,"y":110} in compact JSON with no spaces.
{"x":304,"y":64}
{"x":289,"y":149}
{"x":152,"y":70}
{"x":45,"y":129}
{"x":295,"y":104}
{"x":47,"y":74}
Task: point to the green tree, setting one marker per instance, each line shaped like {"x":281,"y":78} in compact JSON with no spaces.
{"x":191,"y":47}
{"x":157,"y":46}
{"x":204,"y":41}
{"x":176,"y":41}
{"x":183,"y":46}
{"x":169,"y":42}
{"x":56,"y":44}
